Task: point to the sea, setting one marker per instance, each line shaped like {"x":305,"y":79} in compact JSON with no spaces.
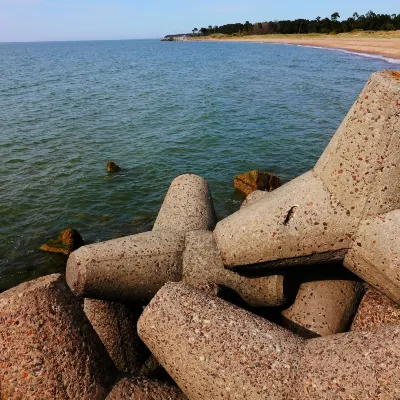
{"x":157,"y":109}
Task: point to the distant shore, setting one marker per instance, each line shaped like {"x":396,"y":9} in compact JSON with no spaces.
{"x":385,"y":45}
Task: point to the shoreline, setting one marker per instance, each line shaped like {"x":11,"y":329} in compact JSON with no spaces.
{"x":388,"y":48}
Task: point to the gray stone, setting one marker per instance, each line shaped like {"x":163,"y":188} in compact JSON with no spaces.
{"x":314,"y":217}
{"x":128,"y":269}
{"x":115,"y":325}
{"x":323,"y":308}
{"x":253,"y":197}
{"x":187,"y":206}
{"x":214,"y":350}
{"x":48,"y":349}
{"x":202,"y":263}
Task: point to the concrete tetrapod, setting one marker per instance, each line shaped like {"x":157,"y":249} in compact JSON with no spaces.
{"x":375,"y":311}
{"x":375,"y":255}
{"x":144,"y":389}
{"x":187,"y":206}
{"x":202,"y":263}
{"x":48,"y":349}
{"x":128,"y":269}
{"x":115,"y":324}
{"x":133,"y":268}
{"x":313,"y":218}
{"x":214,"y":350}
{"x":323,"y":308}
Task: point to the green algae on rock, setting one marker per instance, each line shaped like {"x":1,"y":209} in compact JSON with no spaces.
{"x":66,"y":242}
{"x":112,"y":167}
{"x":256,"y":180}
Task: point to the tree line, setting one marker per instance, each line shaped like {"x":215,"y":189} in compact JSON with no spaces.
{"x":368,"y":22}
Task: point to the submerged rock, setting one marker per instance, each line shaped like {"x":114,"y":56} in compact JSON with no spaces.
{"x":256,"y":180}
{"x":66,"y":242}
{"x":112,"y":167}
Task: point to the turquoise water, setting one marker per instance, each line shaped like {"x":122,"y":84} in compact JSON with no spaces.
{"x":158,"y":110}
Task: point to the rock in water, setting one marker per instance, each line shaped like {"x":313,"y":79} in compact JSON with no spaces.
{"x":256,"y":180}
{"x":112,"y":167}
{"x":66,"y":242}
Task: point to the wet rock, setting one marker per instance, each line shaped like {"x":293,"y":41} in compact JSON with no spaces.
{"x":112,"y":167}
{"x":256,"y":180}
{"x":144,"y":389}
{"x":67,"y":241}
{"x":48,"y":349}
{"x":375,"y":311}
{"x":115,"y":324}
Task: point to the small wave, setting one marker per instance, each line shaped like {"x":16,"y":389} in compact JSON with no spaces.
{"x":356,"y":53}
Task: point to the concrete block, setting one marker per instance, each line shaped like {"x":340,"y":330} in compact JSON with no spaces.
{"x":115,"y":325}
{"x":375,"y":311}
{"x":375,"y":255}
{"x":323,"y":307}
{"x":48,"y":349}
{"x":253,"y":197}
{"x":295,"y":224}
{"x":144,"y":389}
{"x":202,"y":263}
{"x":128,"y":269}
{"x":187,"y":206}
{"x":214,"y":350}
{"x":314,"y":217}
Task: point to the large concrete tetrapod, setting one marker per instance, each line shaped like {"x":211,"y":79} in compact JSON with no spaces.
{"x":133,"y":268}
{"x":187,"y":206}
{"x":202,"y":263}
{"x":375,"y":311}
{"x":48,"y":350}
{"x":314,"y":217}
{"x":115,"y":325}
{"x":214,"y":350}
{"x":144,"y":389}
{"x":375,"y":254}
{"x":323,"y":307}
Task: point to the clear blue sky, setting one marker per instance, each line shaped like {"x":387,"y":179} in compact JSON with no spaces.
{"x":41,"y":20}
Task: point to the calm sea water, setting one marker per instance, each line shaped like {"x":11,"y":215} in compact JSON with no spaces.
{"x":158,"y":110}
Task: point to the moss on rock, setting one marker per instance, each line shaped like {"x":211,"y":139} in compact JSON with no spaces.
{"x":256,"y":180}
{"x":66,"y":242}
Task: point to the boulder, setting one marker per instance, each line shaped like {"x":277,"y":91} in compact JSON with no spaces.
{"x":66,"y":242}
{"x":115,"y":324}
{"x":144,"y":389}
{"x":48,"y":349}
{"x":375,"y":311}
{"x":256,"y":180}
{"x":112,"y":167}
{"x":214,"y":350}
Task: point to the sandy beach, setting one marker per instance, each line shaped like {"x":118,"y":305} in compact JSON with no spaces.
{"x":379,"y":45}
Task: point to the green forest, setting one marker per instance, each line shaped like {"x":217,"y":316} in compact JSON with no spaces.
{"x":368,"y":22}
